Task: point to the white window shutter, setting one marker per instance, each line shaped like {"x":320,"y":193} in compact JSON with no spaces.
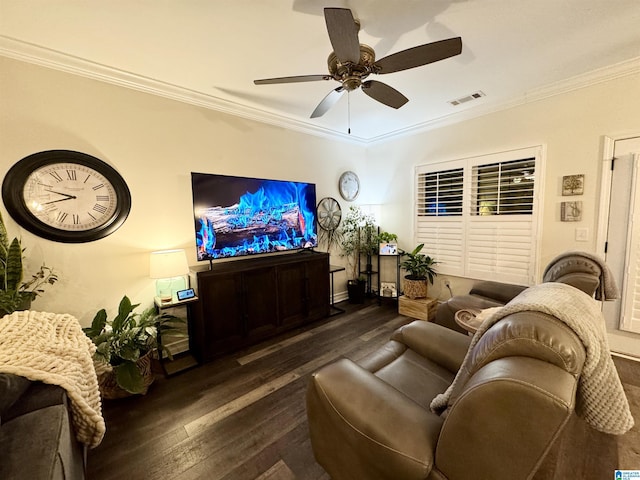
{"x":500,"y":250}
{"x":478,"y":216}
{"x":443,"y":241}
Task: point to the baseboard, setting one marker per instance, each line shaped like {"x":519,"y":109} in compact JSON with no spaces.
{"x":628,"y":357}
{"x":340,"y":297}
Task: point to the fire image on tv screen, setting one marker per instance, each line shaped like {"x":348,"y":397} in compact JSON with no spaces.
{"x":237,"y":216}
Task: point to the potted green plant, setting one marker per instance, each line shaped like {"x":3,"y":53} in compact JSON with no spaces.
{"x":420,"y":269}
{"x":124,"y":346}
{"x":16,"y":294}
{"x":387,"y":243}
{"x":355,"y":226}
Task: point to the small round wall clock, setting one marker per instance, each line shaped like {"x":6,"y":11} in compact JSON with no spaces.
{"x":349,"y":186}
{"x":66,"y":196}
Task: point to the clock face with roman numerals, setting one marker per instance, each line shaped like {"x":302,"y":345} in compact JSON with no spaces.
{"x":66,"y":196}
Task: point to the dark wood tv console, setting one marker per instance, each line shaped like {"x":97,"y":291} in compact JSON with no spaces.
{"x":245,"y":301}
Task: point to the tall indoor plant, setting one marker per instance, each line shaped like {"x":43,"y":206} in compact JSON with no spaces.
{"x":16,"y":294}
{"x":420,"y":269}
{"x":124,"y":346}
{"x":354,"y":240}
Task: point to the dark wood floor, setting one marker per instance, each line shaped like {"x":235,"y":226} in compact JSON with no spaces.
{"x":240,"y":417}
{"x":243,"y":416}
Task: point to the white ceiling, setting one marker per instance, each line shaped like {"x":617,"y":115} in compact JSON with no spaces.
{"x":208,"y":52}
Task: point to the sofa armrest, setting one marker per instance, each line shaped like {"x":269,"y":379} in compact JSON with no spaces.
{"x":508,"y":401}
{"x":361,"y":427}
{"x":39,"y":395}
{"x":445,"y":314}
{"x":500,"y":292}
{"x":439,"y":344}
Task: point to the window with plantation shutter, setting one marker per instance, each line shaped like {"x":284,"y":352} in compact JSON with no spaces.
{"x":478,"y":216}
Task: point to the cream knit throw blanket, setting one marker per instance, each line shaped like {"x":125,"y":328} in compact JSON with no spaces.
{"x":601,"y":400}
{"x":53,"y":349}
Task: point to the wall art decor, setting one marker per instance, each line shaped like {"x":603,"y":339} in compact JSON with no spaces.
{"x":388,"y":289}
{"x":388,"y":249}
{"x":571,"y":211}
{"x":572,"y":185}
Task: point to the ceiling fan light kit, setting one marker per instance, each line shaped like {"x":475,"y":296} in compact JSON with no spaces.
{"x":351,"y":63}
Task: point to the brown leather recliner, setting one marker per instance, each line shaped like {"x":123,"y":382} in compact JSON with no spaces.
{"x":578,"y":269}
{"x":372,"y":420}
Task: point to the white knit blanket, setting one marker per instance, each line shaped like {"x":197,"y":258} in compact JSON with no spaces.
{"x":53,"y":349}
{"x":601,"y":400}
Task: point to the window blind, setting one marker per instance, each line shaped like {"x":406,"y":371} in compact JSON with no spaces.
{"x":478,"y":216}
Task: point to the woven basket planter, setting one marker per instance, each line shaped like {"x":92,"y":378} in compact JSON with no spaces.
{"x":109,"y":388}
{"x":415,"y":288}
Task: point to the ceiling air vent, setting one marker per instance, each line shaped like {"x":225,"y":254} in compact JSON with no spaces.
{"x":467,"y":98}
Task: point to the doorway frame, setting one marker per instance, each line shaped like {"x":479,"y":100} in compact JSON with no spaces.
{"x":620,"y":341}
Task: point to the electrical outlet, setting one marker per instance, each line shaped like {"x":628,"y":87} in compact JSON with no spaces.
{"x":582,"y":234}
{"x":446,"y":282}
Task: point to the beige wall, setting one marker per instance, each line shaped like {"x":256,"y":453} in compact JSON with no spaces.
{"x":154,"y":143}
{"x":570,"y":126}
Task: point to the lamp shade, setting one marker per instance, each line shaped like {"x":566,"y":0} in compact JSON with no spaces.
{"x":168,"y":263}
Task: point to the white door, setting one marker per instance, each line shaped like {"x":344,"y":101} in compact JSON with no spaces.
{"x":623,"y":245}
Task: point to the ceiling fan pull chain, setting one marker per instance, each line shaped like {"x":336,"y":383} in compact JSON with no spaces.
{"x":349,"y":112}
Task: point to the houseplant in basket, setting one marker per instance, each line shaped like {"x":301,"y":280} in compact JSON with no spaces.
{"x":16,"y":294}
{"x":420,"y":268}
{"x":124,"y":346}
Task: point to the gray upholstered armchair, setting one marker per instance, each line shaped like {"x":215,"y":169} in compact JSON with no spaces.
{"x":501,"y":412}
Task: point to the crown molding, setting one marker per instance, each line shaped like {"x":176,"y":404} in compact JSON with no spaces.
{"x":45,"y":57}
{"x":42,"y":56}
{"x":594,"y":77}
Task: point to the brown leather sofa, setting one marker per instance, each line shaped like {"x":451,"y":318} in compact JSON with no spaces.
{"x":573,"y":268}
{"x":372,"y":419}
{"x":482,"y":295}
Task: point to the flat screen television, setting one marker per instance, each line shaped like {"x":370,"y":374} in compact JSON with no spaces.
{"x":236,"y":216}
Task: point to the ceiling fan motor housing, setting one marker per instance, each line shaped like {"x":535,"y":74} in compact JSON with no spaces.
{"x":349,"y":73}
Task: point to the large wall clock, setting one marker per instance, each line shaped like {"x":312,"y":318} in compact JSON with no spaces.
{"x":66,"y":196}
{"x":349,"y":186}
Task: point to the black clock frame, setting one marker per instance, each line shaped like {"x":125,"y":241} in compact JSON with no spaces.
{"x":15,"y":180}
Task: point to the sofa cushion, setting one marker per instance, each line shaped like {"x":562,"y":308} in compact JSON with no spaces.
{"x":40,"y":445}
{"x":11,"y":389}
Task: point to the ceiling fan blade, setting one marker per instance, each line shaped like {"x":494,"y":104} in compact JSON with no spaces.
{"x":343,"y":33}
{"x":420,"y":55}
{"x":383,"y":93}
{"x":299,"y":78}
{"x":327,"y":102}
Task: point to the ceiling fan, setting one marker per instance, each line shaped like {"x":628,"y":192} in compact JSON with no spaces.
{"x":351,"y":63}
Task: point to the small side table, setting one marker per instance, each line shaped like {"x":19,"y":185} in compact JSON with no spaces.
{"x":420,"y":308}
{"x":467,"y":319}
{"x":336,"y":310}
{"x":182,"y":360}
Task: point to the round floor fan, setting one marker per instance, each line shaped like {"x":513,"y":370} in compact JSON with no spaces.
{"x":329,"y":215}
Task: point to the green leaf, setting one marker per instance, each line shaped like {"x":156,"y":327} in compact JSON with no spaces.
{"x":129,"y":377}
{"x":124,"y":309}
{"x":97,"y":325}
{"x":4,"y":240}
{"x":14,"y":266}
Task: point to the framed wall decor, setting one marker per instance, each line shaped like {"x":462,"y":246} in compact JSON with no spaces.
{"x":572,"y":185}
{"x":388,"y":289}
{"x":571,"y":211}
{"x":388,"y":249}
